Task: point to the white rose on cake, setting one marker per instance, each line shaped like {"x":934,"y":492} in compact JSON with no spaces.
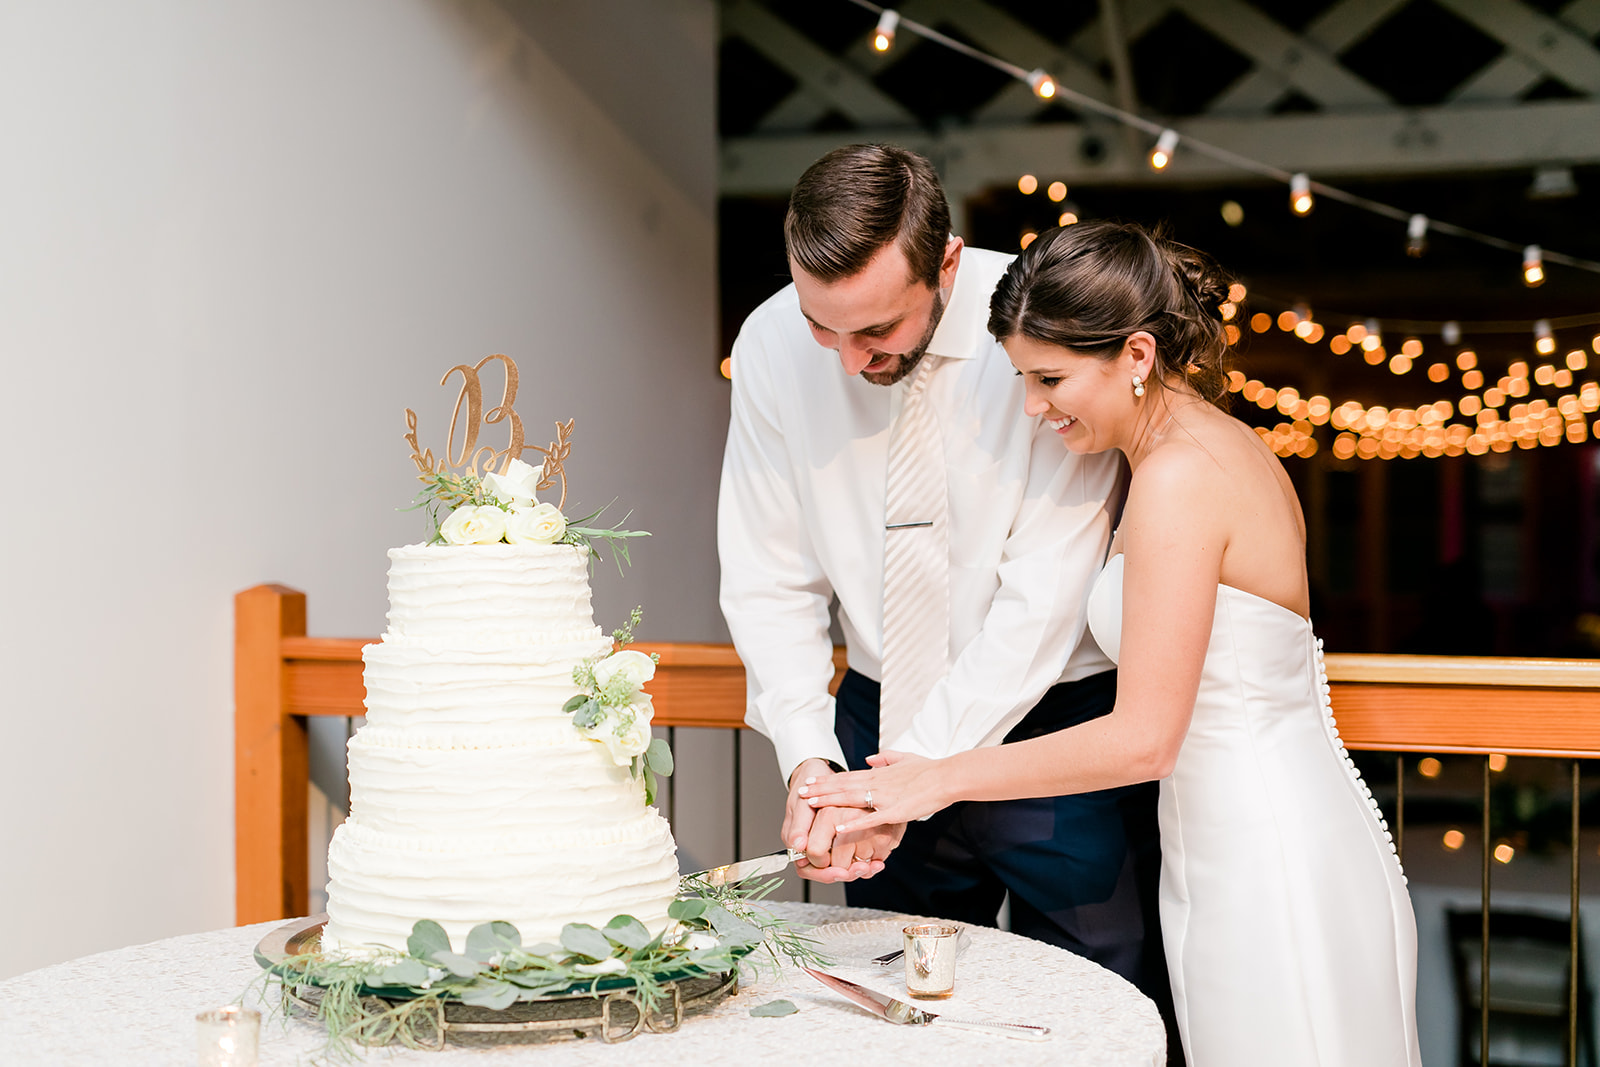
{"x":624,"y":735}
{"x":518,"y":486}
{"x":637,"y":667}
{"x":542,"y":524}
{"x":471,"y":525}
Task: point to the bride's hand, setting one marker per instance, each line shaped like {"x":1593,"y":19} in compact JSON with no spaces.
{"x":899,"y":788}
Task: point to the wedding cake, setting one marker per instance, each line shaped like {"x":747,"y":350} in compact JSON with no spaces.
{"x":474,"y":795}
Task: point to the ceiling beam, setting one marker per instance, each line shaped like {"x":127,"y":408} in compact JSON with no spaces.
{"x":1374,"y":144}
{"x":824,"y":75}
{"x":1333,"y":31}
{"x":1548,"y":43}
{"x":1301,"y":62}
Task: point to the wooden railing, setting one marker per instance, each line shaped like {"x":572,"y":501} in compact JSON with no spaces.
{"x":1397,"y":704}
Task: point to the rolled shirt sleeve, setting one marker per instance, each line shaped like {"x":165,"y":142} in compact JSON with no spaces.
{"x":1037,"y":618}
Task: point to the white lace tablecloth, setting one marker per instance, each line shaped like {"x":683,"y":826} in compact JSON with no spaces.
{"x":136,"y":1006}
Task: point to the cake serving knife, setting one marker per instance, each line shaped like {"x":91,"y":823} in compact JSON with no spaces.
{"x":728,"y":874}
{"x":898,"y":1011}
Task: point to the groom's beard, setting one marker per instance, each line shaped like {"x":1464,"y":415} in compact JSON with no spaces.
{"x":909,"y":360}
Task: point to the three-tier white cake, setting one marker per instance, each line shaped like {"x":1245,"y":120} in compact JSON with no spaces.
{"x":472,"y":795}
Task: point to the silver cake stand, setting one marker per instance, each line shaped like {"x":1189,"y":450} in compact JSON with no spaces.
{"x":609,"y":1010}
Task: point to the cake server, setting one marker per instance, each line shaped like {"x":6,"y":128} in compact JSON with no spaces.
{"x":772,"y":863}
{"x":898,"y":1011}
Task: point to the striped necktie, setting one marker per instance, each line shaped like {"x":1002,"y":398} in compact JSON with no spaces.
{"x":916,"y":561}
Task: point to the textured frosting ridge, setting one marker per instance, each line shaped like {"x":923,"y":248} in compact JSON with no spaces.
{"x":472,"y":797}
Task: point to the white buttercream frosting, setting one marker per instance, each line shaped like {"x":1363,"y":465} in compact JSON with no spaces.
{"x":472,"y":796}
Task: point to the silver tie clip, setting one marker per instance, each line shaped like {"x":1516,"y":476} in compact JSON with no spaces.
{"x":907,"y":525}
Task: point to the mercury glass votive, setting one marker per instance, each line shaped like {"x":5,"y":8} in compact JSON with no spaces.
{"x":931,"y":960}
{"x":228,"y":1037}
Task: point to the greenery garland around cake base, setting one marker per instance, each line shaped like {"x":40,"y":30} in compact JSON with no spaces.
{"x":386,"y":996}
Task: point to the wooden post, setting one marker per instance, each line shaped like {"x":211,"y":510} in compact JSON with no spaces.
{"x":270,"y":760}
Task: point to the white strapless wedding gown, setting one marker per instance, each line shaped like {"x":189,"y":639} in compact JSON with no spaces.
{"x":1289,"y":934}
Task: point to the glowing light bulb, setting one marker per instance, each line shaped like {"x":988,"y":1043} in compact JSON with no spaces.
{"x":1416,"y":235}
{"x":1028,"y":238}
{"x":1577,"y":359}
{"x":1300,"y":201}
{"x":1166,"y":144}
{"x":1237,"y":292}
{"x":1027,"y":185}
{"x":1067,"y":218}
{"x":727,"y":367}
{"x":1466,"y":359}
{"x":1532,"y":266}
{"x":1544,"y":341}
{"x":1057,"y":191}
{"x":883,"y":36}
{"x":1450,"y":333}
{"x":1232,"y":213}
{"x":1043,"y":86}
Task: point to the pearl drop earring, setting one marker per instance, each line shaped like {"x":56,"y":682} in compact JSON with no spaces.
{"x":1138,"y":386}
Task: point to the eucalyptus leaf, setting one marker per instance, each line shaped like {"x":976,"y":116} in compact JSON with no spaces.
{"x":494,"y":995}
{"x":575,"y":703}
{"x":686,"y":909}
{"x":407,"y":972}
{"x":488,"y":939}
{"x":585,"y":940}
{"x":590,"y":713}
{"x":649,"y":786}
{"x":458,"y":964}
{"x":732,"y":929}
{"x":628,"y":932}
{"x":773,"y":1009}
{"x":659,"y":757}
{"x":427,"y":939}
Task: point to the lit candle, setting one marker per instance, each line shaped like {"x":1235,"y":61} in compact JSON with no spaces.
{"x":228,"y":1037}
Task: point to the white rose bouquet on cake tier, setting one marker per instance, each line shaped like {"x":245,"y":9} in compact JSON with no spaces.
{"x":614,"y":711}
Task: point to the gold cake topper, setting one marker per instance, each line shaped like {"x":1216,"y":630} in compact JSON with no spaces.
{"x":467,"y":459}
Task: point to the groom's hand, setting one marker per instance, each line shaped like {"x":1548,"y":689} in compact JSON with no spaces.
{"x":812,"y":831}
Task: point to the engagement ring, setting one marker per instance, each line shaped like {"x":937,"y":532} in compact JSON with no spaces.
{"x":870,"y":805}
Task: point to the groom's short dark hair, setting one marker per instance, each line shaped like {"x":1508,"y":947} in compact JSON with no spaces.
{"x":855,"y":200}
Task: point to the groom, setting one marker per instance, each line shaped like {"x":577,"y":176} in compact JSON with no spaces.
{"x":878,"y":453}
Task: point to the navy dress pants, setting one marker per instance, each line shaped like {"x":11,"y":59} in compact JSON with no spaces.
{"x":1082,"y":870}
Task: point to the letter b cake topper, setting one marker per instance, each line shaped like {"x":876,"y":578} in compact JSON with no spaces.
{"x":465,"y":459}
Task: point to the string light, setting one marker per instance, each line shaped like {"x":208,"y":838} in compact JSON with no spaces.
{"x":1027,"y":184}
{"x":1300,"y":201}
{"x":1068,"y":218}
{"x":1532,"y":266}
{"x":1057,"y":191}
{"x":1371,"y":336}
{"x":1577,"y":359}
{"x":1416,"y":235}
{"x":1046,"y":88}
{"x":1450,"y":332}
{"x":1161,"y":155}
{"x":1544,"y":342}
{"x":883,"y":36}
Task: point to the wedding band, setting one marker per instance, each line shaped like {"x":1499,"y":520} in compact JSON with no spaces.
{"x":870,"y":805}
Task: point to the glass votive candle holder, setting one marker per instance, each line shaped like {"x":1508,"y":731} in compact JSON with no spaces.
{"x":228,"y":1037}
{"x":931,"y":952}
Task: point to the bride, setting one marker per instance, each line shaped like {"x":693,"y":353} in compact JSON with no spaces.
{"x":1289,"y":934}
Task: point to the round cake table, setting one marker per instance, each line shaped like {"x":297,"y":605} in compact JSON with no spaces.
{"x":136,"y":1006}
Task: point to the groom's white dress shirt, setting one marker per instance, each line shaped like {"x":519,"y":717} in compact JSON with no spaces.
{"x":801,"y":519}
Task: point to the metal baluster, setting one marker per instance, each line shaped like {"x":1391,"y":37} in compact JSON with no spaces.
{"x":738,"y":786}
{"x":1483,"y":962}
{"x":672,"y":783}
{"x":1400,"y":808}
{"x":1572,"y":947}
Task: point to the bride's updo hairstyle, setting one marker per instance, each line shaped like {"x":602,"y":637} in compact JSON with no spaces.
{"x":1087,"y":287}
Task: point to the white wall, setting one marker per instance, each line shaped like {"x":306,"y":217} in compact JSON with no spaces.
{"x":236,"y":240}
